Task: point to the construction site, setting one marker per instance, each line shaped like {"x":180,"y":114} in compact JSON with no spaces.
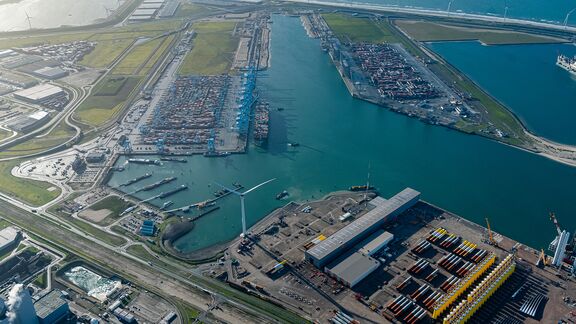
{"x":357,"y":257}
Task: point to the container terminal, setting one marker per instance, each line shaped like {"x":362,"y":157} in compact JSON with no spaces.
{"x":356,"y":257}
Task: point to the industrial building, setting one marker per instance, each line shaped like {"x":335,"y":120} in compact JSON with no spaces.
{"x":95,"y":157}
{"x":50,"y":73}
{"x":51,"y":308}
{"x":148,"y":228}
{"x":383,"y":211}
{"x":27,"y":123}
{"x":352,"y":269}
{"x":9,"y":236}
{"x":39,"y":93}
{"x":23,"y":309}
{"x":6,"y":53}
{"x":376,"y":242}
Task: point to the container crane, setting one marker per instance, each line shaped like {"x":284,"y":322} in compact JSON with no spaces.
{"x":490,"y":236}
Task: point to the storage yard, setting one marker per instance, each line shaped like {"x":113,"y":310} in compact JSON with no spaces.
{"x":360,"y":257}
{"x":385,"y":73}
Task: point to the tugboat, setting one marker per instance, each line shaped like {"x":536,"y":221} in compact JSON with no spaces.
{"x":282,"y":195}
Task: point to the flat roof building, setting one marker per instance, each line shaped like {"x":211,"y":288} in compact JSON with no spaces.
{"x":144,"y":12}
{"x":27,"y":123}
{"x":8,"y":237}
{"x":51,"y":307}
{"x":376,"y":242}
{"x":384,"y":211}
{"x":39,"y":93}
{"x":352,"y":269}
{"x":50,"y":73}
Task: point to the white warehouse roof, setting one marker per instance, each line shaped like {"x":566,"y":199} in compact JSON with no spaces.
{"x":39,"y":92}
{"x":353,"y":268}
{"x":8,"y":236}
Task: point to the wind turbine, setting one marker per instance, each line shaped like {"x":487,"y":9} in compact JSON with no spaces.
{"x":28,"y":18}
{"x":241,"y":195}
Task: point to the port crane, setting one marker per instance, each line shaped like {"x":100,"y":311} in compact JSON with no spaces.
{"x":490,"y":236}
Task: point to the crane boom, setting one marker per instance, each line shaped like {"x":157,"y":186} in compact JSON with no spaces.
{"x":490,"y":232}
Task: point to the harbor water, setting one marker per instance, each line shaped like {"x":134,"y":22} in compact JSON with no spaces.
{"x":52,"y":13}
{"x":547,"y":105}
{"x":340,"y":136}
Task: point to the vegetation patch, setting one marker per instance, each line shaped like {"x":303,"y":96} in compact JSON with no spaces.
{"x":34,"y":193}
{"x":354,"y":29}
{"x":59,"y":135}
{"x":427,"y":31}
{"x":111,"y":207}
{"x":213,"y":51}
{"x":100,"y":107}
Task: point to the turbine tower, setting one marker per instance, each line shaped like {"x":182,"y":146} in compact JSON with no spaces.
{"x":28,"y":18}
{"x":241,"y":195}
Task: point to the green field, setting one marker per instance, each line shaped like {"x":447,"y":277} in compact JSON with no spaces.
{"x":213,"y":51}
{"x":60,"y":134}
{"x":40,"y":281}
{"x":427,"y":31}
{"x":142,"y":57}
{"x":352,"y":29}
{"x":114,"y":204}
{"x":139,"y":251}
{"x":187,"y":9}
{"x":100,"y":107}
{"x":34,"y":193}
{"x":4,"y":134}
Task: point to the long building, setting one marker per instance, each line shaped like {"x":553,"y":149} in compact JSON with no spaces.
{"x":384,"y":211}
{"x":8,"y":238}
{"x":350,"y":270}
{"x":30,"y":122}
{"x":39,"y":93}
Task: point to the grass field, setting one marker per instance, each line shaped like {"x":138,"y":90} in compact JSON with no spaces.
{"x":32,"y":192}
{"x":352,"y":29}
{"x":4,"y":134}
{"x":60,"y":134}
{"x":213,"y":51}
{"x":142,"y":57}
{"x":114,"y":204}
{"x":100,"y":106}
{"x":139,"y":251}
{"x":40,"y":281}
{"x":427,"y":31}
{"x":186,"y":9}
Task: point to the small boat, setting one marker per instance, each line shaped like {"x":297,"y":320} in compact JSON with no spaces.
{"x":282,"y":195}
{"x":279,"y":108}
{"x":167,"y":204}
{"x":361,"y":188}
{"x":295,"y":144}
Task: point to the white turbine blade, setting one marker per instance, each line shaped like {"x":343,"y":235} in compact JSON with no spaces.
{"x":231,"y":190}
{"x":258,"y":186}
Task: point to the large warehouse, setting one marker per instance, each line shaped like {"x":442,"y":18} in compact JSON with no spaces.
{"x":384,"y":210}
{"x":350,"y":270}
{"x":27,"y":123}
{"x":39,"y":93}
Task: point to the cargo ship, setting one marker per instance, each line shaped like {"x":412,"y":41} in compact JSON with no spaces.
{"x":144,"y":161}
{"x":216,"y":154}
{"x":132,"y":181}
{"x":568,"y":64}
{"x":158,"y":184}
{"x":171,"y":192}
{"x":361,"y":188}
{"x":173,"y":159}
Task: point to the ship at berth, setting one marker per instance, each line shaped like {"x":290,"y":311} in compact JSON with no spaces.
{"x":568,"y":64}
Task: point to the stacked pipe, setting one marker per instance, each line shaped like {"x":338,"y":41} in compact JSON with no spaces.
{"x":430,"y":300}
{"x":402,"y":307}
{"x":437,"y":234}
{"x":412,"y":317}
{"x":445,"y":259}
{"x":421,"y":247}
{"x":420,"y":292}
{"x":479,"y":256}
{"x":432,"y":275}
{"x":396,"y":302}
{"x":404,"y":283}
{"x":449,"y":283}
{"x":465,"y":248}
{"x":419,"y":266}
{"x":451,"y":240}
{"x":465,"y":269}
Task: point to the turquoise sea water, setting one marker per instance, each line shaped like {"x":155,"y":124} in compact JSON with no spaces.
{"x":526,"y":79}
{"x":340,"y":136}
